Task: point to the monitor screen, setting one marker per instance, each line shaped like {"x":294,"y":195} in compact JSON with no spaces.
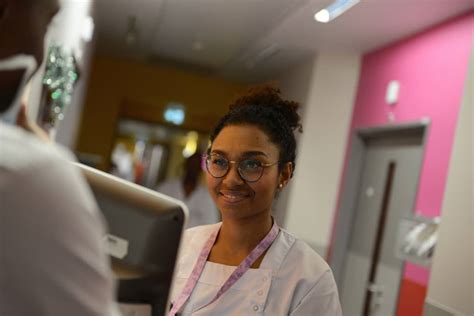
{"x":144,"y":232}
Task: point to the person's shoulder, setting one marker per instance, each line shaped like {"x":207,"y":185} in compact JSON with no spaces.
{"x":196,"y":236}
{"x":31,"y":167}
{"x":192,"y":242}
{"x":309,"y":277}
{"x":21,"y":150}
{"x":201,"y":231}
{"x":301,"y":255}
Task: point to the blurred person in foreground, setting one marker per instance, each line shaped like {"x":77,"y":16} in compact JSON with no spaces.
{"x":52,"y":260}
{"x":202,"y":210}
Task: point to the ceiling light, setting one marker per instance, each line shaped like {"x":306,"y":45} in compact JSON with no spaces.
{"x":322,"y":16}
{"x":174,"y":113}
{"x":334,"y":10}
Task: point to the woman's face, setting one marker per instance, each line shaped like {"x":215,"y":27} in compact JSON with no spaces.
{"x":235,"y":197}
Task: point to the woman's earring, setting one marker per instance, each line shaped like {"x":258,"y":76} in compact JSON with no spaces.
{"x":280,"y":185}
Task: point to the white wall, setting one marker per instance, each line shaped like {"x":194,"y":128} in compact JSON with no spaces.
{"x":328,"y":105}
{"x":452,"y":276}
{"x":294,"y":84}
{"x":67,"y":29}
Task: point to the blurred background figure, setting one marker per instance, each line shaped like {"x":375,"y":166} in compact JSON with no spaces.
{"x":122,"y":163}
{"x":190,"y":190}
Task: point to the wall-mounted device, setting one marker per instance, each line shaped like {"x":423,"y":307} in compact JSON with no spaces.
{"x":417,"y":239}
{"x":393,"y":89}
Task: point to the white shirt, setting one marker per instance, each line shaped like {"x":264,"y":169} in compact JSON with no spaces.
{"x":51,"y":256}
{"x":202,"y":210}
{"x":291,"y":280}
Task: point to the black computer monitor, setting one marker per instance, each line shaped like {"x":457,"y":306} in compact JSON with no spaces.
{"x":144,"y":232}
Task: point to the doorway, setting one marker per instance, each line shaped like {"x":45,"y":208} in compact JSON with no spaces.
{"x":379,"y":193}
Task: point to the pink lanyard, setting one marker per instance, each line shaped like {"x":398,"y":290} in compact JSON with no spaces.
{"x":233,"y":278}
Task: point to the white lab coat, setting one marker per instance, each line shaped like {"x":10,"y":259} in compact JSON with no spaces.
{"x":202,"y":210}
{"x":291,"y":280}
{"x":52,"y":260}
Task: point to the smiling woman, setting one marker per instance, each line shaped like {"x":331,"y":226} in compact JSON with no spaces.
{"x":247,"y":265}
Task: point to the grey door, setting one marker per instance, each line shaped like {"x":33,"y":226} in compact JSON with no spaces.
{"x":390,"y":169}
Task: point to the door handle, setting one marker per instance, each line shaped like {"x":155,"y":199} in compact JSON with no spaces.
{"x":375,"y":288}
{"x":377,"y":295}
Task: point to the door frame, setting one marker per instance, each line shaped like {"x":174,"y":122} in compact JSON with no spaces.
{"x":352,"y":175}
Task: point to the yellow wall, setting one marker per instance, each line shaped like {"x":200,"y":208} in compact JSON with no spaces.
{"x":120,"y":88}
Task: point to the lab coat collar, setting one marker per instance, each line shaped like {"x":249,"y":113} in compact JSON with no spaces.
{"x":277,"y":252}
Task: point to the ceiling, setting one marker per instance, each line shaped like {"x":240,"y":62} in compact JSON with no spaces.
{"x":250,"y":40}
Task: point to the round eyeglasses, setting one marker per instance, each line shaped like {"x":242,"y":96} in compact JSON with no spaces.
{"x":250,"y":170}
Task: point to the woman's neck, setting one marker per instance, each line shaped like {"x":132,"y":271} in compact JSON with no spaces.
{"x":238,"y":237}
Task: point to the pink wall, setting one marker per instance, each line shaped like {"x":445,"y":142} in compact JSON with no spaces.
{"x":431,"y":68}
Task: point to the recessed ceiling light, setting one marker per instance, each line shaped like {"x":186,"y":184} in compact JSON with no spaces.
{"x":322,"y":16}
{"x":334,"y":10}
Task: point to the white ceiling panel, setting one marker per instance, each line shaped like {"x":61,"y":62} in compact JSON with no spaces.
{"x":113,"y":21}
{"x":224,"y":28}
{"x":367,"y":26}
{"x":251,"y":39}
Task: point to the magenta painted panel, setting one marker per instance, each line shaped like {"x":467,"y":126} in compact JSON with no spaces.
{"x":431,"y":68}
{"x":417,"y":274}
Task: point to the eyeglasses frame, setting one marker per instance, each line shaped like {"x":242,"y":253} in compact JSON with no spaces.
{"x":264,"y":165}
